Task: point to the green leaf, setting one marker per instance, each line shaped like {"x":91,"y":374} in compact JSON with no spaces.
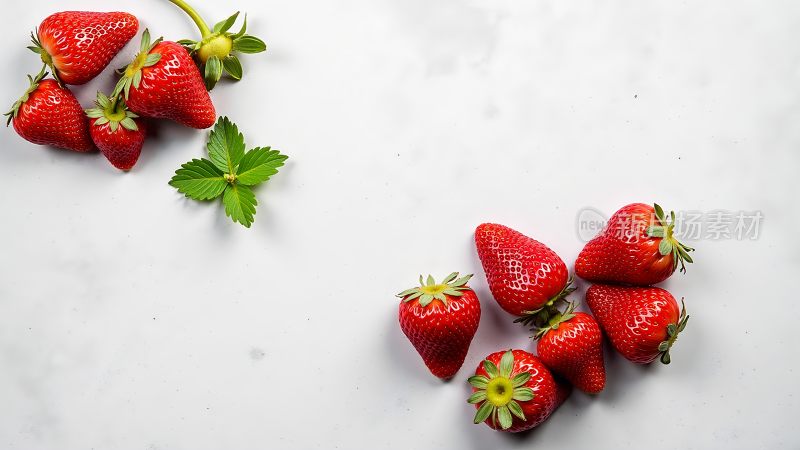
{"x":450,"y":278}
{"x":129,"y":124}
{"x":672,"y":329}
{"x":213,"y":72}
{"x":516,"y":409}
{"x":407,"y":292}
{"x":258,"y":165}
{"x":226,"y":145}
{"x":506,"y":364}
{"x":665,"y":358}
{"x":461,"y":281}
{"x":225,"y":25}
{"x":522,"y":394}
{"x":249,"y":44}
{"x":477,"y":397}
{"x":478,"y":381}
{"x":425,"y":299}
{"x":659,"y":212}
{"x":241,"y":31}
{"x":232,"y":65}
{"x":504,"y":416}
{"x":240,"y":204}
{"x":483,"y":412}
{"x":490,"y":368}
{"x":431,"y":281}
{"x":655,"y":231}
{"x":520,"y":379}
{"x":663,"y":346}
{"x":665,"y":247}
{"x":199,"y":179}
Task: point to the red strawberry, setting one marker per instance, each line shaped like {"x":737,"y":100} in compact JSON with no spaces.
{"x":572,"y":345}
{"x":48,"y":114}
{"x":513,"y":391}
{"x":163,"y":82}
{"x":116,"y":132}
{"x":78,"y":45}
{"x":642,"y":323}
{"x":525,"y":276}
{"x":636,"y":247}
{"x":440,"y":320}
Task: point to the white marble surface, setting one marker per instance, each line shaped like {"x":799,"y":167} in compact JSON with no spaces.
{"x":131,"y":318}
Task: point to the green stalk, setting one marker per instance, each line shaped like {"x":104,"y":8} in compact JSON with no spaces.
{"x":201,"y":24}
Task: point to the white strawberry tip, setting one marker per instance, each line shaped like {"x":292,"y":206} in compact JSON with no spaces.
{"x":498,"y":394}
{"x":673,"y":330}
{"x":112,"y":111}
{"x":664,"y":229}
{"x":429,"y":290}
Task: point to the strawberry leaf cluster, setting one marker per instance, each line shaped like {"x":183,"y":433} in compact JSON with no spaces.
{"x":229,"y":171}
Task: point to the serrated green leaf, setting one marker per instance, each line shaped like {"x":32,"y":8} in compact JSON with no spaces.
{"x":240,"y":204}
{"x":232,"y":65}
{"x":225,"y":145}
{"x":483,"y":412}
{"x":199,"y":179}
{"x":506,"y":364}
{"x":225,"y":25}
{"x":477,"y":397}
{"x":258,"y":165}
{"x":522,"y":394}
{"x":249,"y":44}
{"x":478,"y":381}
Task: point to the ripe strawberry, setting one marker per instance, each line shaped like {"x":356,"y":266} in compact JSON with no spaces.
{"x":440,"y":320}
{"x":116,"y":131}
{"x":48,"y":114}
{"x":642,"y":323}
{"x":572,"y":345}
{"x":163,"y":82}
{"x":513,"y":391}
{"x":636,"y":247}
{"x":525,"y":277}
{"x":78,"y":45}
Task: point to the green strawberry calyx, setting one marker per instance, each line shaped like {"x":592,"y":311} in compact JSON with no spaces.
{"x":112,"y":111}
{"x":34,"y":84}
{"x":132,"y":74}
{"x":216,"y":50}
{"x":429,"y":289}
{"x":556,"y":320}
{"x":46,"y":58}
{"x":499,"y":394}
{"x":665,"y":229}
{"x":541,"y":316}
{"x":673,"y":330}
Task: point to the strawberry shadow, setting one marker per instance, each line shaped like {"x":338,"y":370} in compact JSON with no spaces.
{"x":403,"y":355}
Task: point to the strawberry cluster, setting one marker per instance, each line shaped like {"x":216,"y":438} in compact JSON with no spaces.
{"x":515,"y":390}
{"x":163,"y":81}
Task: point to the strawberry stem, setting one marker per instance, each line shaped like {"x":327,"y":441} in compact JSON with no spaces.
{"x":205,"y":31}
